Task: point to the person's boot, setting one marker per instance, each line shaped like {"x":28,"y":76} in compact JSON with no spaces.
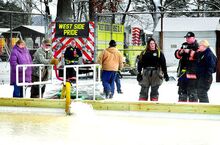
{"x":193,"y":98}
{"x":142,"y":99}
{"x":120,"y":92}
{"x":182,"y":97}
{"x":155,"y":98}
{"x":108,"y":95}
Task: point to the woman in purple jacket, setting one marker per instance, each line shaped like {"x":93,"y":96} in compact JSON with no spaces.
{"x":19,"y":55}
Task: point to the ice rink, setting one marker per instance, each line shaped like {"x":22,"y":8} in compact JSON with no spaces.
{"x":90,"y":127}
{"x":109,"y":128}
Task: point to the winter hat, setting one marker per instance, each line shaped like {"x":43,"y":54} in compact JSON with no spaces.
{"x":204,"y":43}
{"x":47,"y":44}
{"x":189,"y":34}
{"x":112,"y":43}
{"x":47,"y":41}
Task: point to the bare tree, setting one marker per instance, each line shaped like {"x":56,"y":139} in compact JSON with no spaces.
{"x":126,"y":10}
{"x":93,"y":5}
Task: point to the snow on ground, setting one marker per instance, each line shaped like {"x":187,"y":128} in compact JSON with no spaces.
{"x":167,"y":91}
{"x":112,"y":127}
{"x":130,"y":88}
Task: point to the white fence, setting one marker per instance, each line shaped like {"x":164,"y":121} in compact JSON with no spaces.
{"x":96,"y":70}
{"x":94,"y":67}
{"x":40,"y":83}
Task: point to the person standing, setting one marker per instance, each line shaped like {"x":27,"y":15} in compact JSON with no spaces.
{"x":72,"y":56}
{"x":186,"y":71}
{"x":151,"y":71}
{"x":206,"y":65}
{"x":19,"y":55}
{"x":43,"y":55}
{"x":111,"y":61}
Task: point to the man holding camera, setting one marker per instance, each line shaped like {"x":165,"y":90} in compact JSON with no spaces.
{"x":187,"y":69}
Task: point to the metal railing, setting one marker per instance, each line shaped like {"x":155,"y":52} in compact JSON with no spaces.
{"x":40,"y":82}
{"x":96,"y":70}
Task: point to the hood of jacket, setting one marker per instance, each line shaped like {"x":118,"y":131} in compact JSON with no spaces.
{"x":111,"y":59}
{"x":21,"y":50}
{"x":20,"y":56}
{"x":112,"y":50}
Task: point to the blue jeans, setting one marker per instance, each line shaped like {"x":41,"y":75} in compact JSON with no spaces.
{"x":118,"y":82}
{"x":108,"y":81}
{"x":18,"y":91}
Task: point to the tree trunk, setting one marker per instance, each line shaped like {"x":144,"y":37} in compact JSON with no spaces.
{"x":124,"y":15}
{"x":92,"y":10}
{"x":64,"y":11}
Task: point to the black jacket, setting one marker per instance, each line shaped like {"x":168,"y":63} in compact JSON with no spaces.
{"x":185,"y":62}
{"x":153,"y":58}
{"x":72,"y":55}
{"x":206,"y":63}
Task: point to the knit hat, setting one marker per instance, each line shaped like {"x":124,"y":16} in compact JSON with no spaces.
{"x":189,"y":34}
{"x":47,"y":41}
{"x":112,"y":43}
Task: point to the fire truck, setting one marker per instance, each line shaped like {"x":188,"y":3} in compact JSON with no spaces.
{"x":92,"y":41}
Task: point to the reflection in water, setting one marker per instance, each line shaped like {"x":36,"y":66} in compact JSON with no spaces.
{"x":107,"y":128}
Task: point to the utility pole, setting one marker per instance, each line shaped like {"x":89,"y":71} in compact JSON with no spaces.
{"x":161,"y":24}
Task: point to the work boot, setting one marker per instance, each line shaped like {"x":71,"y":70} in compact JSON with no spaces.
{"x":120,"y":92}
{"x":142,"y":99}
{"x":108,"y":95}
{"x":154,"y":98}
{"x":182,"y":101}
{"x":192,"y":100}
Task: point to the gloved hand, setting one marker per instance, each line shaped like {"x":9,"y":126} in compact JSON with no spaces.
{"x":139,"y":77}
{"x":181,"y":51}
{"x":166,"y":77}
{"x":54,"y":61}
{"x":120,"y":75}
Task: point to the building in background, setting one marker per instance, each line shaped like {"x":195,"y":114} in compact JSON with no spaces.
{"x":174,"y":30}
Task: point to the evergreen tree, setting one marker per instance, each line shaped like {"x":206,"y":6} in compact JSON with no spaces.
{"x":17,"y":19}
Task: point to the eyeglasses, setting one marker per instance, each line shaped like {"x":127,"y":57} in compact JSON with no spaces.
{"x":48,"y":45}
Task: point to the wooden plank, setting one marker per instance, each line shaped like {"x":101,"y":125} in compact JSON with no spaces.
{"x":202,"y":108}
{"x":41,"y":103}
{"x":117,"y":105}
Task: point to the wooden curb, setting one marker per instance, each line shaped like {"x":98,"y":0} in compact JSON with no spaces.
{"x":40,"y":103}
{"x":199,"y":108}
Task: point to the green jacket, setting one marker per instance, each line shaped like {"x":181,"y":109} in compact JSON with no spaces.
{"x":42,"y":57}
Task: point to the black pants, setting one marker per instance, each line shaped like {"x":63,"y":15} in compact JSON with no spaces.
{"x":35,"y":88}
{"x":203,"y":86}
{"x":187,"y":90}
{"x":70,"y":72}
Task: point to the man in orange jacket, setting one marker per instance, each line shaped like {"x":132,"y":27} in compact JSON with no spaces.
{"x":111,"y":61}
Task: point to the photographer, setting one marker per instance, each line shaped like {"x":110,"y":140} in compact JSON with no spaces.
{"x":186,"y":71}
